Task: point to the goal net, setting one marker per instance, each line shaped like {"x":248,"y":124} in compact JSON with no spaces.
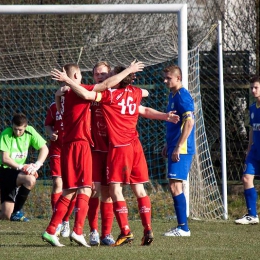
{"x":32,"y":45}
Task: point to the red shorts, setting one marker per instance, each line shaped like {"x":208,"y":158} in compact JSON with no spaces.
{"x":76,"y":165}
{"x":55,"y":166}
{"x":127,"y":164}
{"x":99,"y":167}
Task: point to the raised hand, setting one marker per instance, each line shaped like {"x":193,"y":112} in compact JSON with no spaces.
{"x":136,"y":66}
{"x":59,"y":75}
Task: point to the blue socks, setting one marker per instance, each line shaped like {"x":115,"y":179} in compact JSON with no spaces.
{"x":180,"y":210}
{"x":251,"y":199}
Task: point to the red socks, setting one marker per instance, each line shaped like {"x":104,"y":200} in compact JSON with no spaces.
{"x":144,"y":206}
{"x":121,"y":213}
{"x":81,"y":211}
{"x":59,"y":211}
{"x":107,"y":217}
{"x":93,"y":213}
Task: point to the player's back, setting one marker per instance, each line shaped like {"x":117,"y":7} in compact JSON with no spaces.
{"x":98,"y":128}
{"x":76,"y":117}
{"x":121,"y":110}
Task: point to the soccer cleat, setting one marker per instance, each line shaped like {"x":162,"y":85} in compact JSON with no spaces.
{"x":108,"y":240}
{"x":247,"y":219}
{"x":94,"y":238}
{"x":124,"y":239}
{"x":177,"y":232}
{"x":65,"y":229}
{"x":58,"y":230}
{"x":18,"y":216}
{"x":79,"y":239}
{"x":51,"y":239}
{"x":147,"y":238}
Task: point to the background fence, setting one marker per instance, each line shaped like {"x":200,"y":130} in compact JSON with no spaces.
{"x":32,"y":45}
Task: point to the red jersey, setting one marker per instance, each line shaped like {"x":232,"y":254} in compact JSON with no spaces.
{"x":98,"y":128}
{"x":54,"y":119}
{"x":120,"y":109}
{"x":76,"y":117}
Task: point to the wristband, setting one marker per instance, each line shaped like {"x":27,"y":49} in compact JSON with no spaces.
{"x":19,"y":167}
{"x":38,"y":165}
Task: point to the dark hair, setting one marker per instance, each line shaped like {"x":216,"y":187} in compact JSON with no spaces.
{"x":19,"y":119}
{"x":127,"y":80}
{"x":173,"y":69}
{"x":255,"y":78}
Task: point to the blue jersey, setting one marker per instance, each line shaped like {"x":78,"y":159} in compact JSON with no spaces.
{"x":255,"y":123}
{"x":182,"y":102}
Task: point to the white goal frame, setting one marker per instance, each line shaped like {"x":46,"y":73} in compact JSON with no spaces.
{"x":179,"y":9}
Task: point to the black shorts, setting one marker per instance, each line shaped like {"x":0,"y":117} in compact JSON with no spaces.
{"x":8,"y":185}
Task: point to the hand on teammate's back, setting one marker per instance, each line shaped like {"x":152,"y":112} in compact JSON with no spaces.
{"x":172,"y":117}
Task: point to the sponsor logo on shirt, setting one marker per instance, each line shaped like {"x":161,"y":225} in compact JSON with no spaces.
{"x":256,"y":127}
{"x":19,"y":155}
{"x":119,"y":96}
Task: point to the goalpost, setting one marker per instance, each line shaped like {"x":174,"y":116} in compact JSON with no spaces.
{"x":154,"y":48}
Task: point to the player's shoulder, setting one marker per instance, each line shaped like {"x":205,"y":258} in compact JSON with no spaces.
{"x":8,"y":131}
{"x":30,"y":130}
{"x":88,"y":87}
{"x":253,"y":105}
{"x":53,"y":104}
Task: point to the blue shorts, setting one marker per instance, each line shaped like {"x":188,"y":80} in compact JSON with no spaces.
{"x":252,"y":165}
{"x":179,"y":170}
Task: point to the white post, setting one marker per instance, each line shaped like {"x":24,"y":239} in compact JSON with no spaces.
{"x":180,"y":9}
{"x":222,"y":121}
{"x":183,"y":64}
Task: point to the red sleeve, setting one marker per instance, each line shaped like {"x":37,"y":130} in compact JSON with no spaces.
{"x":51,"y":115}
{"x":88,"y":87}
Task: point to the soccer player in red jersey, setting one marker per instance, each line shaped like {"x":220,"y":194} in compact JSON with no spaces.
{"x":54,"y":129}
{"x":76,"y":160}
{"x":99,"y":159}
{"x":126,"y":160}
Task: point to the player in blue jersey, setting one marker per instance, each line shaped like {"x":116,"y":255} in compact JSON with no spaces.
{"x":252,"y":162}
{"x":180,"y":145}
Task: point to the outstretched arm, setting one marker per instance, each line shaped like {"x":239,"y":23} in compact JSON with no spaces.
{"x":151,"y":113}
{"x":114,"y":80}
{"x":59,"y":93}
{"x":108,"y":83}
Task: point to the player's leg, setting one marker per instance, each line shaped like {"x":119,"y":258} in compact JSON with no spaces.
{"x":7,"y":208}
{"x":106,"y":206}
{"x":26,"y":184}
{"x":81,"y":177}
{"x":121,"y":213}
{"x":55,"y":172}
{"x":61,"y":208}
{"x":252,"y":166}
{"x":116,"y":180}
{"x":139,"y":175}
{"x":177,"y":173}
{"x":107,"y":216}
{"x":97,"y":167}
{"x":81,"y":211}
{"x":93,"y":211}
{"x":145,"y":210}
{"x":9,"y":191}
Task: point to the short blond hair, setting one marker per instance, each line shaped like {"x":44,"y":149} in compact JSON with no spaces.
{"x":100,"y":63}
{"x":71,"y":69}
{"x":173,"y":69}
